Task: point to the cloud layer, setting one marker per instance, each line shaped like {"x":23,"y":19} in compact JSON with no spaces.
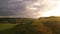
{"x":22,"y":8}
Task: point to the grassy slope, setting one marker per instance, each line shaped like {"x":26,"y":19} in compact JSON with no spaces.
{"x":19,"y":27}
{"x":6,"y":26}
{"x":50,"y":25}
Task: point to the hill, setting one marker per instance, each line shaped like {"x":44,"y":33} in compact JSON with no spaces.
{"x":43,"y":25}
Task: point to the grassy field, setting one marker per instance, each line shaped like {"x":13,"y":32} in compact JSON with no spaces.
{"x":6,"y":26}
{"x":43,"y":25}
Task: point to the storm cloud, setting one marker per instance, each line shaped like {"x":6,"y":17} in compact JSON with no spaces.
{"x":22,"y":8}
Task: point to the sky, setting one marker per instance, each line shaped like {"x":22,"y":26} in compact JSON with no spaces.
{"x":28,"y":8}
{"x":55,"y":11}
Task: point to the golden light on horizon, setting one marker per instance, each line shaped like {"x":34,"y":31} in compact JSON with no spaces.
{"x":53,"y":12}
{"x":45,"y":8}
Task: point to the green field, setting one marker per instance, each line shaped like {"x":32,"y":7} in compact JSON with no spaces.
{"x":6,"y":26}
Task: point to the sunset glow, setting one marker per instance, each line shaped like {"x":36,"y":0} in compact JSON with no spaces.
{"x":54,"y":11}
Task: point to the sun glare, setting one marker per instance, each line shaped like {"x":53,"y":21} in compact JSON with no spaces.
{"x":54,"y":11}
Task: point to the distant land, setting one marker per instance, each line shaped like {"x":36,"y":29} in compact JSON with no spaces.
{"x":42,"y":25}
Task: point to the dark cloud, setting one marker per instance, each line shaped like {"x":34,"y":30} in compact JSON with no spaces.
{"x":13,"y":7}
